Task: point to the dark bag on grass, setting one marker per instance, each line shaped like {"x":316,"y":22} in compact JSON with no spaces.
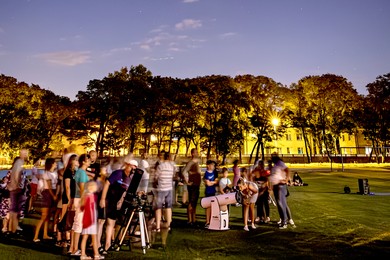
{"x":66,"y":222}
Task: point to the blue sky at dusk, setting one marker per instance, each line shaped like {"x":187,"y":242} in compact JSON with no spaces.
{"x":62,"y":45}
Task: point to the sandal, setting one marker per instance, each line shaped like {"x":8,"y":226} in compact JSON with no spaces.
{"x":98,"y":257}
{"x":85,"y":257}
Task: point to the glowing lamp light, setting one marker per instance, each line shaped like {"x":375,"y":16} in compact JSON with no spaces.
{"x":275,"y":121}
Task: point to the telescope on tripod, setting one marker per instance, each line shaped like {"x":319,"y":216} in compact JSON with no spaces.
{"x":132,"y":211}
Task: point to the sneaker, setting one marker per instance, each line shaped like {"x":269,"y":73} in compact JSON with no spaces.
{"x":253,"y":226}
{"x":282,"y":226}
{"x":279,"y":222}
{"x":291,"y":222}
{"x":19,"y":228}
{"x":77,"y":253}
{"x":267,"y":220}
{"x":207,"y":226}
{"x":257,"y":220}
{"x":246,"y":228}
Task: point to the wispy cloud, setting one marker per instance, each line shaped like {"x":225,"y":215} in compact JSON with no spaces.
{"x":227,"y":35}
{"x":190,"y":1}
{"x":66,"y":58}
{"x":188,"y":24}
{"x":159,"y":58}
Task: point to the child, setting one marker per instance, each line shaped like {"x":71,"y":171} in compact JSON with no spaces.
{"x":88,"y":205}
{"x":225,"y":184}
{"x":249,"y":191}
{"x":210,"y":182}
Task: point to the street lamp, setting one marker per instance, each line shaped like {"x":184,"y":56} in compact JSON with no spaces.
{"x":275,"y":122}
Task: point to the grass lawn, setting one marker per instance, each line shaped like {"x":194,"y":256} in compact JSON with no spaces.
{"x":330,"y":224}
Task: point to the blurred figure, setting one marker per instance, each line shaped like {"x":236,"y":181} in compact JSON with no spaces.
{"x":163,"y":178}
{"x":279,"y":177}
{"x":50,"y":178}
{"x":93,"y":169}
{"x":16,"y":187}
{"x":35,"y":176}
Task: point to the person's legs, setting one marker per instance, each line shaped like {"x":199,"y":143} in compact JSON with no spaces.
{"x":100,"y":231}
{"x":40,"y":222}
{"x":14,"y":210}
{"x":282,"y":204}
{"x":158,"y":218}
{"x":109,"y":232}
{"x":83,"y":244}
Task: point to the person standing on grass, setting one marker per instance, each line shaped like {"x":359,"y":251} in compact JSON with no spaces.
{"x":15,"y":187}
{"x":249,"y":191}
{"x":114,"y":188}
{"x":163,"y":178}
{"x":279,"y":177}
{"x":80,"y":178}
{"x":88,"y":206}
{"x":48,"y":193}
{"x":35,"y":176}
{"x":210,"y":180}
{"x":261,"y":179}
{"x":192,"y":179}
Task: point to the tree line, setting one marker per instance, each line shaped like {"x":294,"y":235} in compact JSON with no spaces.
{"x":133,"y":109}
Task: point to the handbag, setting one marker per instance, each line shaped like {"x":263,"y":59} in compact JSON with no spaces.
{"x":66,"y":222}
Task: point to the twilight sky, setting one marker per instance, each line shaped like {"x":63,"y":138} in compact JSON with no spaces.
{"x":63,"y":44}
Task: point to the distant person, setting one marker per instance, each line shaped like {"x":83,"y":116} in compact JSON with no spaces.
{"x":192,"y":179}
{"x":35,"y":176}
{"x":297,"y":180}
{"x":16,"y":188}
{"x":236,"y":173}
{"x":93,"y":169}
{"x":144,"y":165}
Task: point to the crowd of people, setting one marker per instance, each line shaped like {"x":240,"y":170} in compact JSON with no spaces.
{"x":80,"y":200}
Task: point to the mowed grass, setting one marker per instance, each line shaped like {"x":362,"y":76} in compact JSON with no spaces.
{"x":330,"y":224}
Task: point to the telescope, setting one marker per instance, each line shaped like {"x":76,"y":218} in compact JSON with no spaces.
{"x":219,"y":211}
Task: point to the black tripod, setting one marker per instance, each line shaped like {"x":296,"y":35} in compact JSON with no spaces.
{"x":130,"y":224}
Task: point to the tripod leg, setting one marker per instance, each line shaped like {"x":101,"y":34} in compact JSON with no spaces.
{"x":124,"y":232}
{"x":143,"y":229}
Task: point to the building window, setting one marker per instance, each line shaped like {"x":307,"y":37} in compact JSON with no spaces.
{"x":300,"y":150}
{"x":299,"y":137}
{"x":343,"y":137}
{"x":288,"y":137}
{"x":349,"y":137}
{"x":288,"y":150}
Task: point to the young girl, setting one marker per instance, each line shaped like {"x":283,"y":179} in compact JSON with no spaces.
{"x":49,"y":196}
{"x":249,"y":191}
{"x":88,"y":205}
{"x":225,"y":183}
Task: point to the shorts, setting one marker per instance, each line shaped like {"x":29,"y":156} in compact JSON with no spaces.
{"x":47,"y":199}
{"x":163,"y":198}
{"x":34,"y":189}
{"x":17,"y":200}
{"x":78,"y":217}
{"x":111,"y":210}
{"x":193,"y":195}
